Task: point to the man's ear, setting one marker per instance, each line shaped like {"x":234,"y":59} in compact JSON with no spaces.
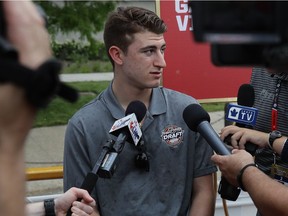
{"x":116,"y":54}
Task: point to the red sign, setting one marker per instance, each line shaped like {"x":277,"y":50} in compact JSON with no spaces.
{"x":189,"y":67}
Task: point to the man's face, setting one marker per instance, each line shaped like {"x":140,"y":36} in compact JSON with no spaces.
{"x":144,"y":61}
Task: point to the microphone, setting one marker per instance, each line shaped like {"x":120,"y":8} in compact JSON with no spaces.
{"x":138,"y":108}
{"x":198,"y":120}
{"x":126,"y":129}
{"x":107,"y":161}
{"x":243,"y":114}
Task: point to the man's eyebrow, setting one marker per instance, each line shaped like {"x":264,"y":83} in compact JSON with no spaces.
{"x":152,"y":47}
{"x":149,"y":47}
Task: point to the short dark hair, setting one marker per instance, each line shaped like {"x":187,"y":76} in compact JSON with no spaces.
{"x":123,"y":23}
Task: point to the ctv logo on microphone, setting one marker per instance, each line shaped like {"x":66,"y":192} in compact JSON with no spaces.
{"x":242,"y":114}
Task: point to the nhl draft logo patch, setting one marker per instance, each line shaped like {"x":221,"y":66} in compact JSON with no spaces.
{"x":172,"y":135}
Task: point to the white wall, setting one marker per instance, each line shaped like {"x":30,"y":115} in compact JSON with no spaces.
{"x":243,"y":206}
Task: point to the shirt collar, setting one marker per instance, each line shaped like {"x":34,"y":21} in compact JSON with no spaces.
{"x":157,"y":103}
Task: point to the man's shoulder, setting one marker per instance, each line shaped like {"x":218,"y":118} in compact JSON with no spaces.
{"x":93,"y":106}
{"x":176,"y":94}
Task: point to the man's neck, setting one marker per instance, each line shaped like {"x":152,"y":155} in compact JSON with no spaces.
{"x":125,"y":95}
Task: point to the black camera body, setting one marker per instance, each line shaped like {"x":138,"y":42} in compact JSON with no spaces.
{"x":243,"y":33}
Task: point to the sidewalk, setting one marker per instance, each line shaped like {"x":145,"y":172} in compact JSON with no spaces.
{"x":45,"y":147}
{"x":86,"y":77}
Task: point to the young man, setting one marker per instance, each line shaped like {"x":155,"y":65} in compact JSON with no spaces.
{"x":179,"y":180}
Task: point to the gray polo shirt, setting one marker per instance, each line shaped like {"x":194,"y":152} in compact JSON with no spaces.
{"x":176,"y":156}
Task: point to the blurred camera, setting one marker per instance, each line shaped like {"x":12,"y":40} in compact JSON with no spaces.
{"x":243,"y":33}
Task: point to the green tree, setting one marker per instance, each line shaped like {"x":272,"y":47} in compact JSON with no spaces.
{"x":85,"y":17}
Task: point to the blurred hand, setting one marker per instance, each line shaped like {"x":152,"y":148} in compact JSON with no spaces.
{"x":87,"y":206}
{"x":240,"y":136}
{"x":230,"y":165}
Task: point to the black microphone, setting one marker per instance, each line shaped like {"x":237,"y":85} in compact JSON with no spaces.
{"x":141,"y":159}
{"x":138,"y":108}
{"x":245,"y":98}
{"x":107,"y":161}
{"x":126,"y":129}
{"x":198,"y":120}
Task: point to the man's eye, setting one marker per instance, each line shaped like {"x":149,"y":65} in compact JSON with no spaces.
{"x":150,"y":51}
{"x":163,"y":50}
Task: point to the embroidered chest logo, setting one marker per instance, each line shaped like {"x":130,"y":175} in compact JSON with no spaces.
{"x":172,"y":135}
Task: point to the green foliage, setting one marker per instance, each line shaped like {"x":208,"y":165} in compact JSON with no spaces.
{"x":213,"y":107}
{"x":72,"y":51}
{"x":90,"y":86}
{"x":86,"y":67}
{"x":84,"y":17}
{"x":59,"y":111}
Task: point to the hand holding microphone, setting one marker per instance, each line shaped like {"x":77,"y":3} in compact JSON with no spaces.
{"x":125,"y":129}
{"x":230,"y":166}
{"x":198,"y":120}
{"x":243,"y":114}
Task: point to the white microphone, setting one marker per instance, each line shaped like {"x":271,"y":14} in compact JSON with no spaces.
{"x":125,"y":129}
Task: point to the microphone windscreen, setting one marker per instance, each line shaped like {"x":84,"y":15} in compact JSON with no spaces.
{"x":138,"y":108}
{"x":246,"y":95}
{"x":193,"y":115}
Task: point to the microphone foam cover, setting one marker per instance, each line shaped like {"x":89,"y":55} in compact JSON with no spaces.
{"x":138,"y":108}
{"x":246,"y":95}
{"x":193,"y":115}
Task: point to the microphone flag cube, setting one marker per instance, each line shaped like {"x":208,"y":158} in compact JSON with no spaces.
{"x":241,"y":114}
{"x":129,"y":123}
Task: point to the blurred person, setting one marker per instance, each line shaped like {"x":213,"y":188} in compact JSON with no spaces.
{"x":26,"y":32}
{"x":179,"y":180}
{"x":271,"y":98}
{"x":239,"y":168}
